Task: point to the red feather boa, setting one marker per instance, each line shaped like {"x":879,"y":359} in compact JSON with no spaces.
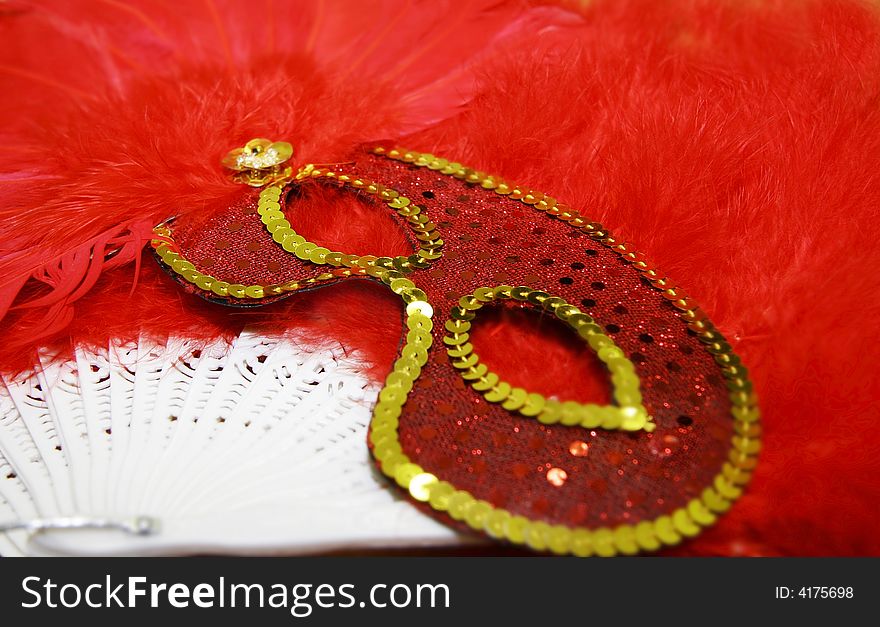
{"x":737,"y":144}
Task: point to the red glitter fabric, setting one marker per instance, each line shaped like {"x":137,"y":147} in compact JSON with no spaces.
{"x":233,"y":246}
{"x":558,"y":474}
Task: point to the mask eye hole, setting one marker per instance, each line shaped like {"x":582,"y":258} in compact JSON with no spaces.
{"x":342,"y":219}
{"x":514,"y":343}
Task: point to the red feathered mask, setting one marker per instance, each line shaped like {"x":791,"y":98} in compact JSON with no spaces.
{"x":670,"y":453}
{"x":735,"y":145}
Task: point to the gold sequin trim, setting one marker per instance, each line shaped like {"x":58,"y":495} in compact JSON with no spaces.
{"x":648,"y":535}
{"x":430,"y":242}
{"x":273,"y":219}
{"x":629,"y":415}
{"x":186,"y":270}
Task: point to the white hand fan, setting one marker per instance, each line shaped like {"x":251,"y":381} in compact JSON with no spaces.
{"x":255,"y":445}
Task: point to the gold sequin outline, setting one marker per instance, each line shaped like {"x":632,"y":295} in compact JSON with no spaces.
{"x":283,"y":234}
{"x":647,"y":535}
{"x":185,"y":269}
{"x":628,"y":415}
{"x":277,"y":225}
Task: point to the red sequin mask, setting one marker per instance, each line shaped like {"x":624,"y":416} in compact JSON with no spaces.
{"x":669,"y":452}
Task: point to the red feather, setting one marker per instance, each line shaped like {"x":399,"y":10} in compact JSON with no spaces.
{"x":115,"y":139}
{"x":737,"y":144}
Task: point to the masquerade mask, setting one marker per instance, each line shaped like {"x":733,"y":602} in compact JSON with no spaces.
{"x":657,"y":464}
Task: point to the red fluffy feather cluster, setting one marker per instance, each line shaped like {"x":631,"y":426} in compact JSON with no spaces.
{"x":736,"y":144}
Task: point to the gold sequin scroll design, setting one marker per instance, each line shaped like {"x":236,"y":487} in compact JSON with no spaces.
{"x":166,"y":250}
{"x":430,"y":243}
{"x":273,"y":219}
{"x":647,"y":535}
{"x":629,"y":415}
